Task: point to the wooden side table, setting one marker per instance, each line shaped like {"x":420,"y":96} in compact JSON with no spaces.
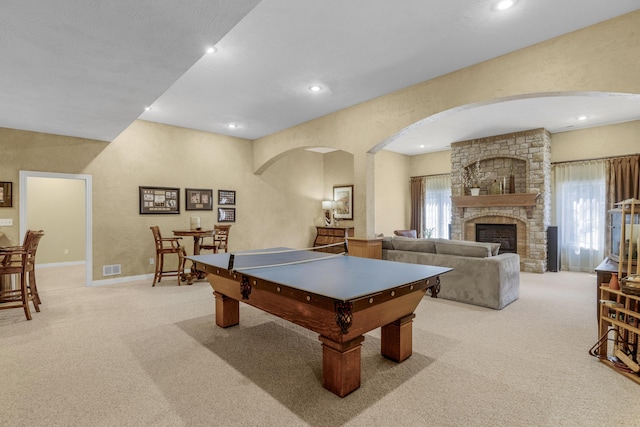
{"x":365,"y":248}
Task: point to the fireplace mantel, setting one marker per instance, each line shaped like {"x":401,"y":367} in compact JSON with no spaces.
{"x":525,"y":200}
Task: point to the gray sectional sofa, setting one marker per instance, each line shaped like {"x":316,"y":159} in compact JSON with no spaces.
{"x":480,"y":275}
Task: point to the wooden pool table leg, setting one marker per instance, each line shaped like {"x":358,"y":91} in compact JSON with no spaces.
{"x":341,"y":365}
{"x":397,"y":339}
{"x":227,"y":310}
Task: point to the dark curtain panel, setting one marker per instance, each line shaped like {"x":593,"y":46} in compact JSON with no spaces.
{"x":623,"y":183}
{"x":624,"y":179}
{"x":417,"y":204}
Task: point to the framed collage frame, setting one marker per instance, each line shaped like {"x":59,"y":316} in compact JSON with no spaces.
{"x":159,"y":200}
{"x":198,"y":199}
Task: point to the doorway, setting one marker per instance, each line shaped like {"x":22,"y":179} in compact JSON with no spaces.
{"x":83,"y":182}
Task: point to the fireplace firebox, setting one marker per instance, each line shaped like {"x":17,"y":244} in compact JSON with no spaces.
{"x":505,"y":234}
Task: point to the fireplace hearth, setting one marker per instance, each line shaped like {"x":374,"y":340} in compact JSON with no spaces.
{"x":505,"y":234}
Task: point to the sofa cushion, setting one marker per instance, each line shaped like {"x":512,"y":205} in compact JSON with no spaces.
{"x":387,"y":242}
{"x":414,"y":245}
{"x":495,"y":249}
{"x":464,"y":248}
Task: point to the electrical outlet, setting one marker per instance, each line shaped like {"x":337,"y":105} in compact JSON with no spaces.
{"x":151,"y":261}
{"x":66,"y":251}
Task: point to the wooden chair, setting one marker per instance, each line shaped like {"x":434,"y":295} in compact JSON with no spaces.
{"x":220,"y":239}
{"x":164,"y":246}
{"x":20,"y":261}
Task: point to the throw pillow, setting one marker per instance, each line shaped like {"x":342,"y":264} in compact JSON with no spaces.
{"x":406,"y":233}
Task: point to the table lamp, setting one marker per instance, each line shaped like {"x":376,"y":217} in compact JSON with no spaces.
{"x":194,"y":222}
{"x":327,"y":207}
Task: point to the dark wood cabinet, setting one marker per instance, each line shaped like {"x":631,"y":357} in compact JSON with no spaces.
{"x":331,"y":235}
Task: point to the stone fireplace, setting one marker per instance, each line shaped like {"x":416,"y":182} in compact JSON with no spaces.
{"x":525,"y":155}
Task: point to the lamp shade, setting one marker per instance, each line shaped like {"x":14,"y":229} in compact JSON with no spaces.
{"x":327,"y":204}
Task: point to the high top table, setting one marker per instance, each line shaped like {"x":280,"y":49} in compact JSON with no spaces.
{"x":197,"y":237}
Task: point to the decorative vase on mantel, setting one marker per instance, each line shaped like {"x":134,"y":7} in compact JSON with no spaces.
{"x":496,"y":187}
{"x":512,"y":184}
{"x":475,"y":191}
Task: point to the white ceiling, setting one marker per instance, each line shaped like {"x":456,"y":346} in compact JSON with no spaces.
{"x":88,"y":69}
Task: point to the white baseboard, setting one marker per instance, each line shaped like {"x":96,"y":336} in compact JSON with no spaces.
{"x":60,"y":264}
{"x":125,"y":279}
{"x":103,"y":282}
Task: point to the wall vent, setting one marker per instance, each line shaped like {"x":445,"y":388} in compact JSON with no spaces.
{"x":111,"y":270}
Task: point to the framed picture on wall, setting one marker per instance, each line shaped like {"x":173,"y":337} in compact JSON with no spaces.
{"x":343,"y":197}
{"x":198,"y":199}
{"x":226,"y":214}
{"x":6,"y":199}
{"x":159,"y":200}
{"x":226,"y":197}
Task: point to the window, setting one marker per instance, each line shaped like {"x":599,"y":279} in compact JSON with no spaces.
{"x":580,"y":211}
{"x":437,"y":206}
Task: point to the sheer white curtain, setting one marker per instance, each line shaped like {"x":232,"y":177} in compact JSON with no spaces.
{"x":437,"y":206}
{"x":580,"y":213}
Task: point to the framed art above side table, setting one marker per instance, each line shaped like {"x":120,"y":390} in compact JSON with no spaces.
{"x":343,"y":196}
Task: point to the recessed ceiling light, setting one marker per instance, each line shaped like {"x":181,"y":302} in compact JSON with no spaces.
{"x":315,"y":88}
{"x":505,"y":4}
{"x":212,"y":50}
{"x":147,"y":108}
{"x":583,"y":117}
{"x":422,"y":146}
{"x":232,"y":125}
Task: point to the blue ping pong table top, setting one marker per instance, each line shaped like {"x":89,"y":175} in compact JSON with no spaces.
{"x":339,"y":277}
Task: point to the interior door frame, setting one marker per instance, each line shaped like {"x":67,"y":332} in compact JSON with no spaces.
{"x":24,"y":175}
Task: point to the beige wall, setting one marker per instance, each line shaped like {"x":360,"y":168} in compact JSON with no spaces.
{"x":596,"y":142}
{"x":34,"y":151}
{"x":279,"y":185}
{"x":58,"y":206}
{"x":602,"y":58}
{"x":278,"y":208}
{"x":338,"y":170}
{"x":392,"y":192}
{"x":603,"y":141}
{"x":430,"y":164}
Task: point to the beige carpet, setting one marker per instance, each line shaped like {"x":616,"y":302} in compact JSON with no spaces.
{"x":133,"y":355}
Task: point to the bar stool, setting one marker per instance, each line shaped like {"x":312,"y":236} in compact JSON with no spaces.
{"x":163,"y":249}
{"x":220,"y":239}
{"x":19,"y":261}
